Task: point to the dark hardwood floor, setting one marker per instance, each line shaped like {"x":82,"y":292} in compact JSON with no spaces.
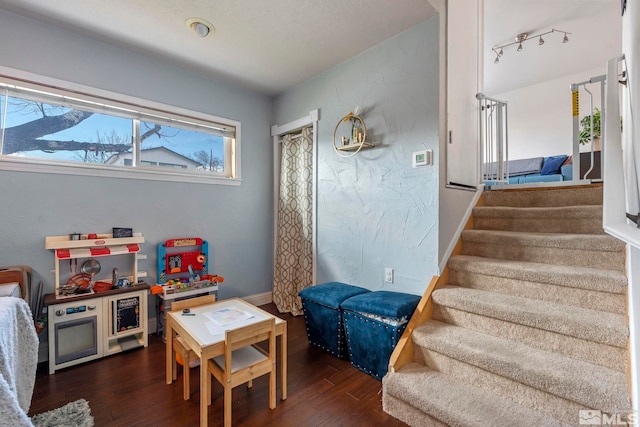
{"x":129,"y":389}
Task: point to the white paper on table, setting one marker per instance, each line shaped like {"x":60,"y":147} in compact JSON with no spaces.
{"x":225,"y":319}
{"x":215,"y":329}
{"x":227,"y":316}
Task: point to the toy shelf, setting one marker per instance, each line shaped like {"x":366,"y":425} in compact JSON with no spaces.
{"x":103,"y":245}
{"x":103,"y":240}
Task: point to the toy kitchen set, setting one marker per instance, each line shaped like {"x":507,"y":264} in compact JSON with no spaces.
{"x":182,"y":273}
{"x":99,"y":307}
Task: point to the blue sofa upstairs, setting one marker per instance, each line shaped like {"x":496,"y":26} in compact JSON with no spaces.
{"x":534,"y":169}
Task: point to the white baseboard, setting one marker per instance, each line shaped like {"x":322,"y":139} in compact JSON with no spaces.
{"x":456,"y":237}
{"x":259,"y":299}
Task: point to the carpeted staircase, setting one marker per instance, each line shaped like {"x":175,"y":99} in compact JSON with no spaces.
{"x":530,"y":328}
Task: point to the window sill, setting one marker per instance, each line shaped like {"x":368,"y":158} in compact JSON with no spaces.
{"x":102,"y":171}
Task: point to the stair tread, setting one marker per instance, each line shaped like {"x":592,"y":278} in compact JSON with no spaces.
{"x":574,"y":212}
{"x":456,"y":403}
{"x":557,"y":196}
{"x":598,"y":326}
{"x":594,"y":279}
{"x":588,"y":242}
{"x":578,"y":381}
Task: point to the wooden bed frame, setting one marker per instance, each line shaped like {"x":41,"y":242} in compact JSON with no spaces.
{"x":20,"y":274}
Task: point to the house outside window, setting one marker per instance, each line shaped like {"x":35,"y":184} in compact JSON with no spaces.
{"x":46,"y":126}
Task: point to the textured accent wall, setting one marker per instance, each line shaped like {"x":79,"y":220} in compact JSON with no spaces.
{"x":374,"y":209}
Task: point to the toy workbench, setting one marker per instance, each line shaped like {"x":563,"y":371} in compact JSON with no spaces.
{"x":183,"y":269}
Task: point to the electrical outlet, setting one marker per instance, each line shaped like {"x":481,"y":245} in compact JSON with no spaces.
{"x":388,"y":275}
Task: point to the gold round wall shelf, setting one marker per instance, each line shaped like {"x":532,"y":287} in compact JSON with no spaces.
{"x":357,"y":139}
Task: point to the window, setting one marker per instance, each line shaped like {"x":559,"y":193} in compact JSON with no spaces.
{"x":93,"y":135}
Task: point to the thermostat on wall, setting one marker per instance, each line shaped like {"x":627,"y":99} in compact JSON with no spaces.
{"x":422,"y":158}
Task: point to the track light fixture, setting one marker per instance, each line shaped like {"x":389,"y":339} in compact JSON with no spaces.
{"x":522,"y":37}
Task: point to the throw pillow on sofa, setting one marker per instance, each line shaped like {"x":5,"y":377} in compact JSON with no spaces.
{"x":552,"y":165}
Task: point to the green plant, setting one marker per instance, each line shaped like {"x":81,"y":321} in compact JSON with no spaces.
{"x":585,"y":124}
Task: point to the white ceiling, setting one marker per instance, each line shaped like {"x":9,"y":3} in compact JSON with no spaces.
{"x":596,"y":27}
{"x":267,"y":46}
{"x":273,"y":45}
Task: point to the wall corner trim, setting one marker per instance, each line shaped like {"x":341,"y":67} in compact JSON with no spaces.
{"x":313,"y":116}
{"x":456,"y":236}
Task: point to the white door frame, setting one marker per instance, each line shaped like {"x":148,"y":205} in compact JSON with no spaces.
{"x":277,"y":131}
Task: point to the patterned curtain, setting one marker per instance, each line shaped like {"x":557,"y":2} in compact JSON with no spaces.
{"x":294,"y":260}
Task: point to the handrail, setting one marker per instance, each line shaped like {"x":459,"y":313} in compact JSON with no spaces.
{"x":493,"y":139}
{"x":619,"y":168}
{"x":481,"y":95}
{"x":621,"y":194}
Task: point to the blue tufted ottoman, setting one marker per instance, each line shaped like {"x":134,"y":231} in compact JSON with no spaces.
{"x":374,"y":323}
{"x":322,"y":315}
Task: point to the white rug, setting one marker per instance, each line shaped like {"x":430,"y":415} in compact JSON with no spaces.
{"x":76,"y":414}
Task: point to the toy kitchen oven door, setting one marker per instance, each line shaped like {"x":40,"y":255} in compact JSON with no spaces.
{"x":88,"y":329}
{"x":75,"y":333}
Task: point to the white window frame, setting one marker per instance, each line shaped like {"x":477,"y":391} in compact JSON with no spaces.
{"x":149,"y":109}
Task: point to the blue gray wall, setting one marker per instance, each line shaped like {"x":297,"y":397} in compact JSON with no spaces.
{"x":374,"y":209}
{"x":236,"y":220}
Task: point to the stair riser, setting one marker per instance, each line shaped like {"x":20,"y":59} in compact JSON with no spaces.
{"x":505,"y":388}
{"x":407,"y":413}
{"x":556,"y":256}
{"x":542,"y":198}
{"x":600,"y":354}
{"x":607,"y":281}
{"x":605,"y":328}
{"x":595,"y":300}
{"x":540,"y":225}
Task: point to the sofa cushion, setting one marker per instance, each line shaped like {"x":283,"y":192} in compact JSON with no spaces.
{"x":525,"y":166}
{"x":552,"y":164}
{"x":567,"y":172}
{"x":517,"y":167}
{"x":540,"y":178}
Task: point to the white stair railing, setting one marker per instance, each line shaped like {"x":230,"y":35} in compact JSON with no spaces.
{"x":620,"y":169}
{"x":576,"y":89}
{"x":494,"y":138}
{"x":622,"y":196}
